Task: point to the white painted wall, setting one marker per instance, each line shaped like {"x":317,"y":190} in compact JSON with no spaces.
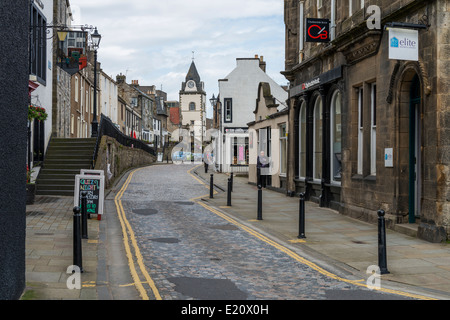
{"x":108,"y":97}
{"x":42,"y":96}
{"x":242,"y":86}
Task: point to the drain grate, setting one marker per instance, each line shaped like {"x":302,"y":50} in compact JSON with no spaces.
{"x":208,"y":289}
{"x":224,"y":227}
{"x":185,"y":203}
{"x":145,"y":212}
{"x":165,"y":240}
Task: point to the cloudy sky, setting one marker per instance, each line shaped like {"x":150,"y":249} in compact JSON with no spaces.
{"x":152,"y":40}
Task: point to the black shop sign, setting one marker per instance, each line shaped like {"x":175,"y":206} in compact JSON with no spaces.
{"x":317,"y":30}
{"x":94,"y":186}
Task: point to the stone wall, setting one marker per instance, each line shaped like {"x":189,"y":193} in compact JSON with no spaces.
{"x":114,"y":158}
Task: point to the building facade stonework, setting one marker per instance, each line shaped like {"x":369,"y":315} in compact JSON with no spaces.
{"x":368,"y":132}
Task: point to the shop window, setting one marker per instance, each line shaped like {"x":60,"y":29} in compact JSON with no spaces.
{"x":240,"y":154}
{"x":336,"y":135}
{"x":38,"y":44}
{"x":228,"y":114}
{"x":360,"y":131}
{"x":302,"y":140}
{"x":317,"y":157}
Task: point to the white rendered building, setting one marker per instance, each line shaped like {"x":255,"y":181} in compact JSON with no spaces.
{"x":238,"y":93}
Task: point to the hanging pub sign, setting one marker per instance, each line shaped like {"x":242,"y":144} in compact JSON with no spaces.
{"x":403,"y":44}
{"x":72,"y":51}
{"x":317,"y":30}
{"x":94,"y":185}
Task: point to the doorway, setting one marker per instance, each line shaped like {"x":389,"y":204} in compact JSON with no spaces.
{"x":415,"y":128}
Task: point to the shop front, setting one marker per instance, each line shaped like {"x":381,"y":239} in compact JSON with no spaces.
{"x":317,"y":138}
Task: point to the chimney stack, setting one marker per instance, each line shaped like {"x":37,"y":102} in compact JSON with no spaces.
{"x":262,"y":64}
{"x":121,"y":78}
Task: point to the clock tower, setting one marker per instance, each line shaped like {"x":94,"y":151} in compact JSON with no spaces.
{"x":193,"y":104}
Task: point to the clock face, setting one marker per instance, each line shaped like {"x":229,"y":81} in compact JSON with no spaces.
{"x":191,"y":84}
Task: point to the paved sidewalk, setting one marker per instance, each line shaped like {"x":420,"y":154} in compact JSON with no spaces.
{"x":49,"y":251}
{"x":345,"y":242}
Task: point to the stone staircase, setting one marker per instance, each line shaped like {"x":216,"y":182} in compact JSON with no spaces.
{"x":64,"y":159}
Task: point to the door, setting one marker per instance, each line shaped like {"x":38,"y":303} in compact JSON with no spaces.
{"x":38,"y":141}
{"x":415,"y":177}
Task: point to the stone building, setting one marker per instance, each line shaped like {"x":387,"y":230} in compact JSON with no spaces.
{"x":82,"y":100}
{"x":62,"y":15}
{"x":368,"y":131}
{"x":193,"y":104}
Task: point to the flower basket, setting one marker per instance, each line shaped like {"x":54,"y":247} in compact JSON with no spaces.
{"x":37,"y":113}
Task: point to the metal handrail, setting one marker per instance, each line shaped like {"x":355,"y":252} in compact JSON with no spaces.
{"x":108,"y":128}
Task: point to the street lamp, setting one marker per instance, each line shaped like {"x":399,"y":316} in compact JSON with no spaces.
{"x":95,"y":37}
{"x":213,"y":101}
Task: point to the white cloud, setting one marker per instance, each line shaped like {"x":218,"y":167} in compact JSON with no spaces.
{"x":154,"y":40}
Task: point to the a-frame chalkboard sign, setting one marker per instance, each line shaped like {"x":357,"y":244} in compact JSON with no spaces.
{"x":94,"y":185}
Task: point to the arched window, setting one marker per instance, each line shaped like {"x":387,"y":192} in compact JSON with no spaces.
{"x":302,"y":140}
{"x":192,"y":106}
{"x":317,"y":161}
{"x":336,"y":132}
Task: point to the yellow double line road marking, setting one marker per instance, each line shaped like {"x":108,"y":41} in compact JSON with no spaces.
{"x":294,"y":255}
{"x":129,"y":237}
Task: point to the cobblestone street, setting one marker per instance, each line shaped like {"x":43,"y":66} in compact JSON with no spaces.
{"x":192,"y":253}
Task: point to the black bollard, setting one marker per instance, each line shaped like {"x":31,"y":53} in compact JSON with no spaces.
{"x":301,"y":218}
{"x":77,"y":250}
{"x":211,"y":186}
{"x":84,"y":216}
{"x":259,"y":214}
{"x":382,"y":258}
{"x":229,"y":193}
{"x":232,"y":182}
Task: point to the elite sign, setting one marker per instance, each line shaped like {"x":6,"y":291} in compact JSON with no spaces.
{"x":403,"y":44}
{"x":317,"y":30}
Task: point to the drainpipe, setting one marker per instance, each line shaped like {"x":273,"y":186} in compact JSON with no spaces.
{"x":301,"y":31}
{"x":333,"y":19}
